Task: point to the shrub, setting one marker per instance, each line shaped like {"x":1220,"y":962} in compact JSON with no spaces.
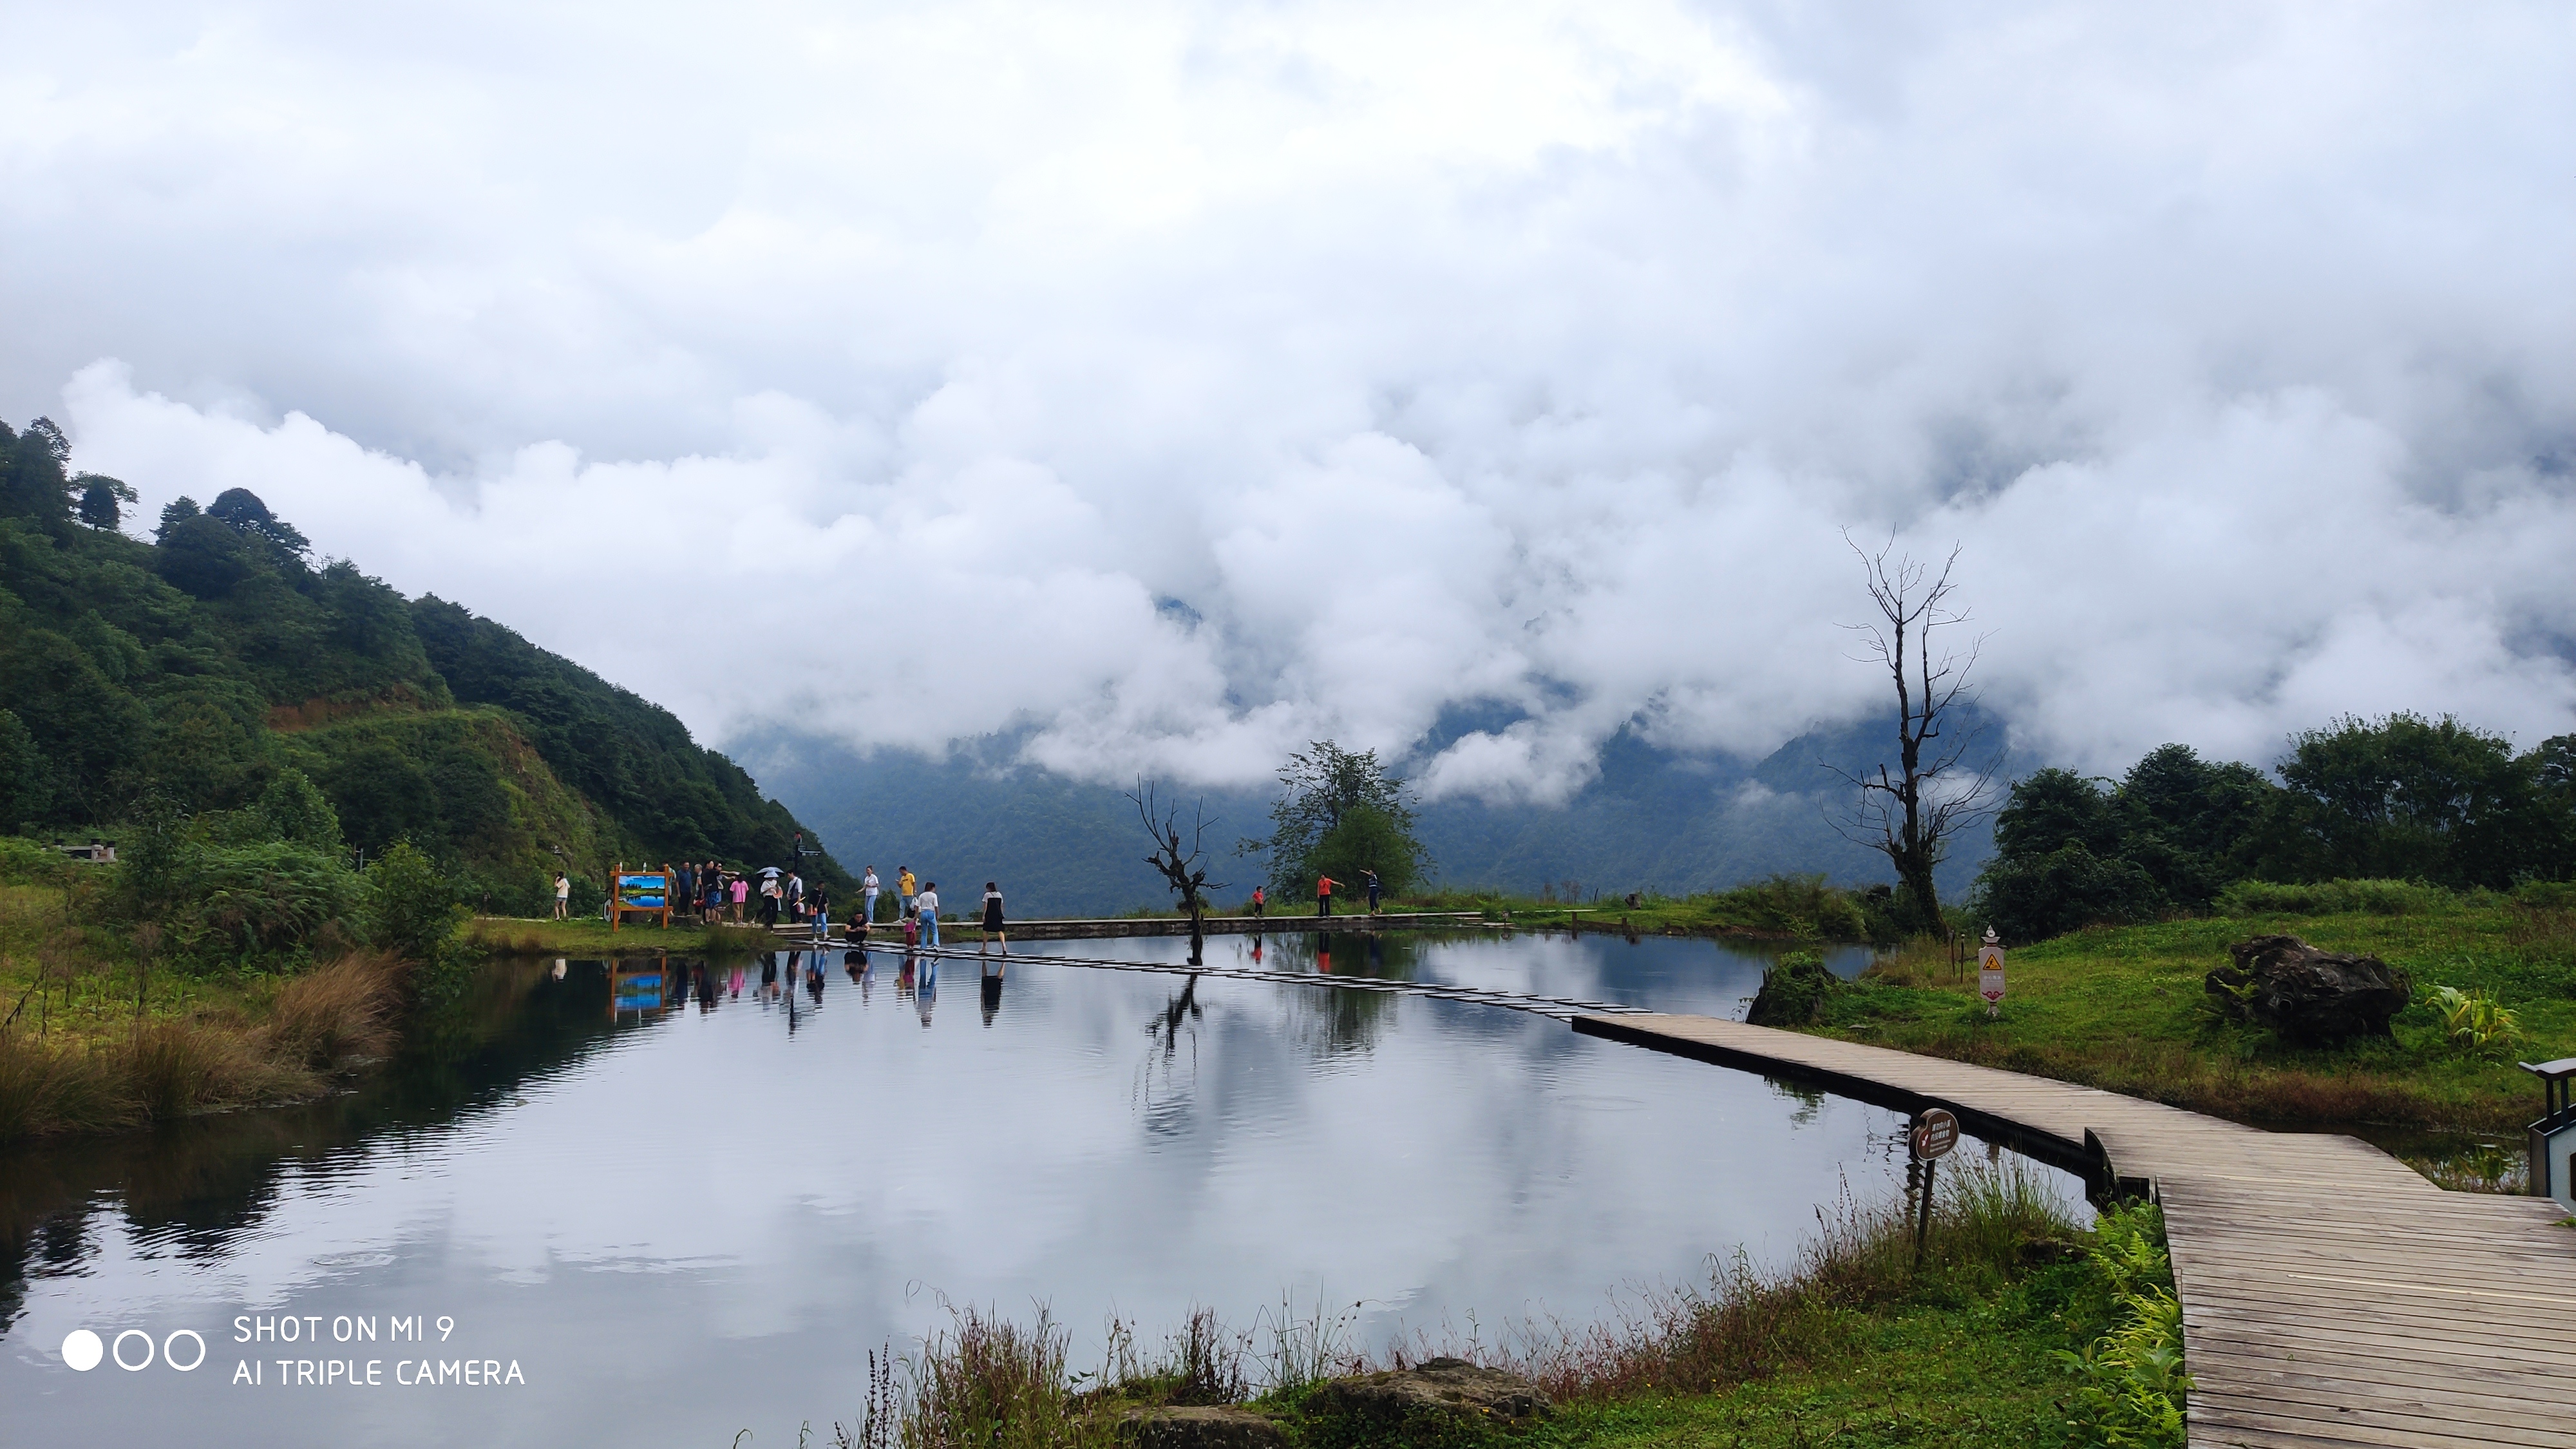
{"x":2333,"y":898}
{"x":26,"y":862}
{"x":2131,"y":1385}
{"x":1802,"y":906}
{"x":413,"y":912}
{"x":2033,"y":898}
{"x":259,"y":904}
{"x":2474,"y":1021}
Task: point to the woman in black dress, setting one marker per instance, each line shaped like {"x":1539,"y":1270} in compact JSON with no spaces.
{"x":993,"y":918}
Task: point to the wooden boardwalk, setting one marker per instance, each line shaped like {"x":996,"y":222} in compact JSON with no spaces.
{"x":2330,"y":1295}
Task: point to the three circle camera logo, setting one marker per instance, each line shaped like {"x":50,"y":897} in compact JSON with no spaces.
{"x":133,"y":1350}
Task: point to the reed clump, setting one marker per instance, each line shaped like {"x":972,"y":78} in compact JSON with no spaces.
{"x":62,"y":1088}
{"x":178,"y":1067}
{"x":345,"y":1011}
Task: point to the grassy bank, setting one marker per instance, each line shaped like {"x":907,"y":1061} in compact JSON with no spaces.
{"x":589,"y":936}
{"x":79,"y":1056}
{"x":2125,"y":1008}
{"x":2018,"y":1328}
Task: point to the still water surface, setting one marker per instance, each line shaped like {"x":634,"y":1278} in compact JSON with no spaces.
{"x":680,"y":1214}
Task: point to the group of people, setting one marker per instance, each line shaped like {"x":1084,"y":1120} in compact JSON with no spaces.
{"x":917,"y":912}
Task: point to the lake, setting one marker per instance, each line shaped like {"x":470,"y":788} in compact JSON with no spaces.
{"x":668,"y":1201}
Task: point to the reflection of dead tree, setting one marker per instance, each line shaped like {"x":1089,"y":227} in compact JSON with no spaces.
{"x":1182,"y":865}
{"x":1183,"y":1006}
{"x":1910,"y":816}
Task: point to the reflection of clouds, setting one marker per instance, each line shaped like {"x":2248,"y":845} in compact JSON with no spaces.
{"x":718,"y":1192}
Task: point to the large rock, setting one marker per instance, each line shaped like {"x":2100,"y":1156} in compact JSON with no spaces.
{"x":1793,"y":992}
{"x":2312,"y":997}
{"x":1204,"y":1428}
{"x":1437,"y":1389}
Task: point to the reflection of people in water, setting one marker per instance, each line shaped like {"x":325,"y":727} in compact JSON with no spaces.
{"x":856,"y":963}
{"x":926,"y":994}
{"x":992,"y":995}
{"x":814,"y":979}
{"x":1256,"y":950}
{"x":1324,"y":954}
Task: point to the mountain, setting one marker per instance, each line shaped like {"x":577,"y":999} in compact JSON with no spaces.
{"x":195,"y":667}
{"x":1651,"y":820}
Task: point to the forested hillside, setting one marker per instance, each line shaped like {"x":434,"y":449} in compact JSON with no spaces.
{"x":191,"y":669}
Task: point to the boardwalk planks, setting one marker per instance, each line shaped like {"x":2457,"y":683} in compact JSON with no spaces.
{"x":2330,"y":1295}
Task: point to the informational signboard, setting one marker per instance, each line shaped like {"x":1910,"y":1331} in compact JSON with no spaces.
{"x":1990,"y":972}
{"x":639,"y":893}
{"x":1935,"y":1133}
{"x":2554,"y":1154}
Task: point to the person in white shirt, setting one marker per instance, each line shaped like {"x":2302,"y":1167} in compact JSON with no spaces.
{"x":868,"y":901}
{"x":563,"y":895}
{"x":926,"y":907}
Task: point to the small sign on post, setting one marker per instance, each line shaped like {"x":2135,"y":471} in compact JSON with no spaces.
{"x":1990,"y":973}
{"x":1934,"y":1133}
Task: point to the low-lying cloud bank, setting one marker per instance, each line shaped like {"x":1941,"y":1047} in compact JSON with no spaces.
{"x":1187,"y":384}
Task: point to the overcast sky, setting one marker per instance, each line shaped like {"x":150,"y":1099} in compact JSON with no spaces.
{"x":1188,"y":382}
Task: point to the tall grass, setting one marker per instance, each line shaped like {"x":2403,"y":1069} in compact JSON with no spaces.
{"x":62,"y":1089}
{"x":337,"y":1013}
{"x":346,"y":1010}
{"x":1989,"y":1221}
{"x":178,"y":1067}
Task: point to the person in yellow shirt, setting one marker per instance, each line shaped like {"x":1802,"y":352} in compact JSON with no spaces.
{"x":905,"y":889}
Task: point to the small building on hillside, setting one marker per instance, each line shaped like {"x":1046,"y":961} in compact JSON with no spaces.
{"x":97,"y":852}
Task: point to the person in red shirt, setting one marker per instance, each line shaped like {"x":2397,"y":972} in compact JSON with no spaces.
{"x":1260,"y":900}
{"x":1324,"y":894}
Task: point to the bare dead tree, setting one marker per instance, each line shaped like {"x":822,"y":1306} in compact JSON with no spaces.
{"x":1179,"y":857}
{"x":1937,"y":789}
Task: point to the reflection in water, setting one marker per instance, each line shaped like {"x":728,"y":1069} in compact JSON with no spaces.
{"x":992,"y":990}
{"x":498,"y":1177}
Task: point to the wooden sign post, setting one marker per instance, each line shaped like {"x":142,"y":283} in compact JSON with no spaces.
{"x":1990,"y":973}
{"x":1933,"y":1135}
{"x":639,"y":893}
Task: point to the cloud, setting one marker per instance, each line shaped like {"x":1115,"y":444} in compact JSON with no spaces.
{"x":1178,"y":383}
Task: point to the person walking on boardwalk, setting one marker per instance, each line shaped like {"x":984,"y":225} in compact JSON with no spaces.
{"x":926,"y":906}
{"x":903,"y":889}
{"x":563,"y":896}
{"x":993,"y":919}
{"x":1259,"y":901}
{"x":868,"y":900}
{"x":1324,"y":894}
{"x":1372,"y":890}
{"x":819,"y":901}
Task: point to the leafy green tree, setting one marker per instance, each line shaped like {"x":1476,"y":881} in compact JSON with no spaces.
{"x":90,"y":731}
{"x":295,"y":810}
{"x":243,"y":509}
{"x":103,"y":500}
{"x":2033,"y":897}
{"x":2407,"y":798}
{"x":413,"y":911}
{"x":1339,"y":813}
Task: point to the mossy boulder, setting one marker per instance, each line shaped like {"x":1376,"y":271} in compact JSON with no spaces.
{"x":1793,"y":991}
